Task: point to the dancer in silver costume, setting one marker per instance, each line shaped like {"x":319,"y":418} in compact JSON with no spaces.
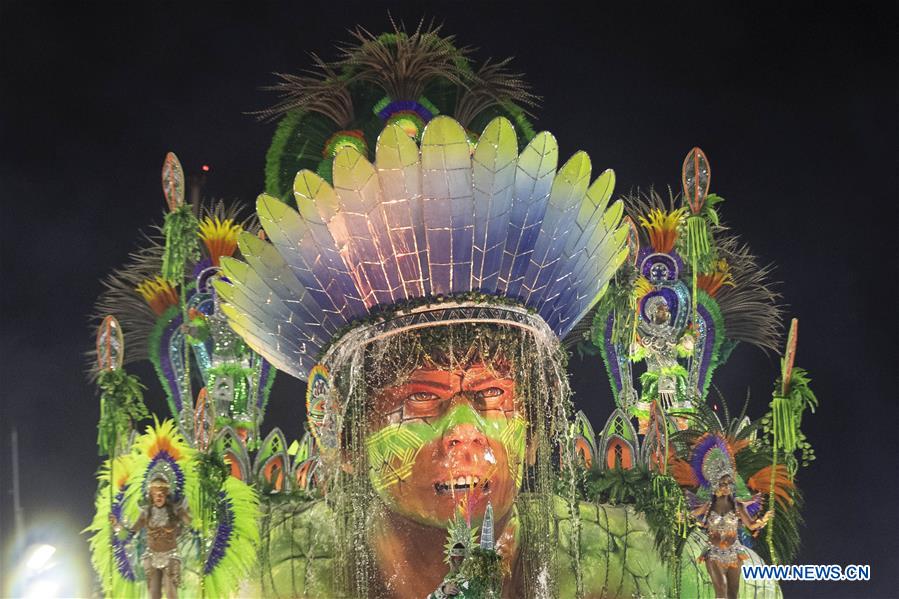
{"x":164,"y":522}
{"x":722,"y":517}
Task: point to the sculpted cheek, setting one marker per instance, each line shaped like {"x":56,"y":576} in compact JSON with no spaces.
{"x":392,"y":452}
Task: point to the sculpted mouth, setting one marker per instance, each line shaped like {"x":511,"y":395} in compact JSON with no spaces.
{"x":461,"y":483}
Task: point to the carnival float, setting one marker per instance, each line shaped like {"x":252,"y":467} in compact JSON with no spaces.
{"x":424,"y":263}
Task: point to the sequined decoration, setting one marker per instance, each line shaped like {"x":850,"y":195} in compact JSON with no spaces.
{"x":317,"y":390}
{"x":173,"y":182}
{"x":696,"y":178}
{"x":110,"y":344}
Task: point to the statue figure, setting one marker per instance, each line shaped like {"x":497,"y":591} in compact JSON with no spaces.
{"x":453,"y":584}
{"x":660,"y":344}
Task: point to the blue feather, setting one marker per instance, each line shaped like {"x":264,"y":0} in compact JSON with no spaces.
{"x":493,"y":176}
{"x":533,"y":181}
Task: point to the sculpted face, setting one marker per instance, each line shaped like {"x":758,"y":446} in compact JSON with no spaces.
{"x":443,"y":436}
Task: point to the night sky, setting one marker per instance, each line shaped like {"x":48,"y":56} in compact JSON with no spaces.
{"x":795,"y":107}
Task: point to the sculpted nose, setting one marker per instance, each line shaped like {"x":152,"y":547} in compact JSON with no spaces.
{"x":463,"y":438}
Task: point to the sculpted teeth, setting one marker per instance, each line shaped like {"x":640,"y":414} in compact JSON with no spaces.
{"x":462,"y":482}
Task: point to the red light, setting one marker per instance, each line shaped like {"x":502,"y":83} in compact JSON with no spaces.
{"x":205,"y":168}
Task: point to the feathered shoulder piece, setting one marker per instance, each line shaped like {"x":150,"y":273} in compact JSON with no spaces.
{"x":112,"y":558}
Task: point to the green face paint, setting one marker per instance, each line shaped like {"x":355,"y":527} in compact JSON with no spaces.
{"x":394,"y":449}
{"x":391,"y":454}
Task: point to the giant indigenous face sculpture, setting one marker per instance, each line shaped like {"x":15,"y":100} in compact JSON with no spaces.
{"x":446,"y":422}
{"x":432,"y":419}
{"x":441,"y":435}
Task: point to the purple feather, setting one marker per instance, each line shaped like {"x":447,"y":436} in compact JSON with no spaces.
{"x":264,"y":372}
{"x":119,"y":546}
{"x":701,"y":451}
{"x":223,"y":534}
{"x":708,"y":342}
{"x":401,"y":105}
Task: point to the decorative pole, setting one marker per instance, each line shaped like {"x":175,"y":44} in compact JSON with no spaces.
{"x":696,"y":175}
{"x":16,"y":500}
{"x":121,"y":400}
{"x":181,"y":230}
{"x":783,"y":422}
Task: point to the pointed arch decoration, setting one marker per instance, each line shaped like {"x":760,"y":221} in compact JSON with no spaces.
{"x":234,"y":453}
{"x":272,"y":462}
{"x":618,"y":448}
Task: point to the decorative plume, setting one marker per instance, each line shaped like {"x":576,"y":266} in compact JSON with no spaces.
{"x":776,"y":478}
{"x":159,"y":294}
{"x":219,"y":236}
{"x":491,"y":85}
{"x":750,"y":306}
{"x":712,"y":282}
{"x":320,"y":89}
{"x":121,"y":299}
{"x":402,"y":63}
{"x":661,"y":226}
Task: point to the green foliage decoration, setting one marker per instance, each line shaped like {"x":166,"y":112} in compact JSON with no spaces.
{"x":483,"y":570}
{"x":121,"y":405}
{"x":181,"y":230}
{"x":658,"y":496}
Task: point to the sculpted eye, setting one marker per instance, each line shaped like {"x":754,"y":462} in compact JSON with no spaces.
{"x":422,"y":396}
{"x":490,"y":392}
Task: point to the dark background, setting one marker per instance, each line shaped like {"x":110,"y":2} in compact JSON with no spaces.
{"x":794,"y":105}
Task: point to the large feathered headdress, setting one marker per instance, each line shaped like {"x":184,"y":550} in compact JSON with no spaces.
{"x":502,"y":234}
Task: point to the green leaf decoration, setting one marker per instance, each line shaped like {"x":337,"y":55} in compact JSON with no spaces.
{"x":181,"y":230}
{"x":787,"y":411}
{"x":121,"y":406}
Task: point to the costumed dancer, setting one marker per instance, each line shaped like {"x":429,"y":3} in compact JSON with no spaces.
{"x":722,"y":514}
{"x":164,"y":520}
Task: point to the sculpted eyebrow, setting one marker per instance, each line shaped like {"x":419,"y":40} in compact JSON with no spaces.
{"x":418,"y":383}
